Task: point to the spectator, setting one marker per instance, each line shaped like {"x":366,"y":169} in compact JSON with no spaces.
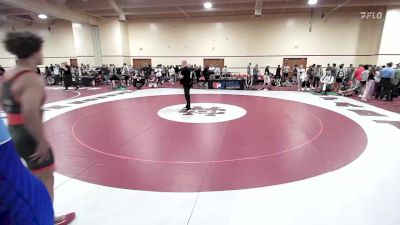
{"x":106,"y":73}
{"x":364,"y":79}
{"x":217,"y":72}
{"x":198,"y":73}
{"x":386,"y":75}
{"x":356,"y":87}
{"x":301,"y":73}
{"x":57,"y":74}
{"x":2,"y":70}
{"x":153,"y":80}
{"x":225,"y":71}
{"x":295,"y":75}
{"x":317,"y":77}
{"x":51,"y":68}
{"x":267,"y":72}
{"x":349,"y":73}
{"x":125,"y":74}
{"x":327,"y":82}
{"x":328,"y":68}
{"x":67,"y":75}
{"x":255,"y":74}
{"x":286,"y":70}
{"x":172,"y":76}
{"x":370,"y":86}
{"x":334,"y":70}
{"x":158,"y":72}
{"x":341,"y":74}
{"x":249,"y":69}
{"x":278,"y":76}
{"x":312,"y":75}
{"x":395,"y":82}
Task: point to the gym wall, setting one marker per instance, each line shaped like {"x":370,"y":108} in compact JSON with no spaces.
{"x":341,"y":37}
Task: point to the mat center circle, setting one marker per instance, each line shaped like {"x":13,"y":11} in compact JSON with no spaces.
{"x":202,"y":113}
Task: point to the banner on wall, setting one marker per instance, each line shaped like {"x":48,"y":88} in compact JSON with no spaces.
{"x":226,"y":84}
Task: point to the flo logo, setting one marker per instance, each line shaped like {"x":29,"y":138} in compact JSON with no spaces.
{"x":371,"y":15}
{"x":212,"y":111}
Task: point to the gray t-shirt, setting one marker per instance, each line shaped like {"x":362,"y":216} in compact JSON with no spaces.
{"x":334,"y":71}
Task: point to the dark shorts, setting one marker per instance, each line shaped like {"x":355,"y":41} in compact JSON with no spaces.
{"x":25,"y":145}
{"x":339,"y":80}
{"x":114,"y":77}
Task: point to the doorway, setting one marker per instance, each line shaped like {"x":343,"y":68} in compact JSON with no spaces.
{"x":291,"y":62}
{"x":140,"y":63}
{"x":73,"y":62}
{"x":214,"y":62}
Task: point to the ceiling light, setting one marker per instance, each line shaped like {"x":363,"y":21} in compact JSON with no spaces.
{"x":208,"y":5}
{"x":312,"y":2}
{"x":42,"y":16}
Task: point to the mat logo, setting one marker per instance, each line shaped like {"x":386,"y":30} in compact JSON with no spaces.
{"x":212,"y":111}
{"x":371,"y":15}
{"x":202,"y":112}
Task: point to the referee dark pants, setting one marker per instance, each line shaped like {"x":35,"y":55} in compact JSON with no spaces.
{"x":186,"y":88}
{"x":387,"y":86}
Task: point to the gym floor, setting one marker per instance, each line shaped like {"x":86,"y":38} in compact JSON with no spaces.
{"x":239,"y":157}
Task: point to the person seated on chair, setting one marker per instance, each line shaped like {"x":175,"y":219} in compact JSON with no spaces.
{"x":98,"y":80}
{"x":327,"y":82}
{"x":153,"y":81}
{"x":138,"y":81}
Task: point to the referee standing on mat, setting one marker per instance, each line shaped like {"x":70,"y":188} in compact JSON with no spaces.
{"x":186,"y":81}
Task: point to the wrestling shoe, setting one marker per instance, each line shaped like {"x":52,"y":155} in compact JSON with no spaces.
{"x":64,"y":219}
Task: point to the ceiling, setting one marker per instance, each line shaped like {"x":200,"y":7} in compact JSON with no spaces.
{"x":149,"y":9}
{"x":18,"y":16}
{"x":159,"y":9}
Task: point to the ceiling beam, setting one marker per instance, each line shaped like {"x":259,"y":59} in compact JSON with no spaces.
{"x":57,"y":11}
{"x":259,"y":7}
{"x":182,"y":11}
{"x":118,"y":9}
{"x":187,"y":6}
{"x":7,"y":20}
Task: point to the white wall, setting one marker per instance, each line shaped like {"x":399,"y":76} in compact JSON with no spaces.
{"x":342,"y":37}
{"x":114,"y":42}
{"x":63,"y":42}
{"x":83,"y":43}
{"x":390,"y":44}
{"x":58,"y":42}
{"x":264,"y":40}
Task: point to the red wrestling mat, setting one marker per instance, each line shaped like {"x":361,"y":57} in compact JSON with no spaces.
{"x":125,"y":144}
